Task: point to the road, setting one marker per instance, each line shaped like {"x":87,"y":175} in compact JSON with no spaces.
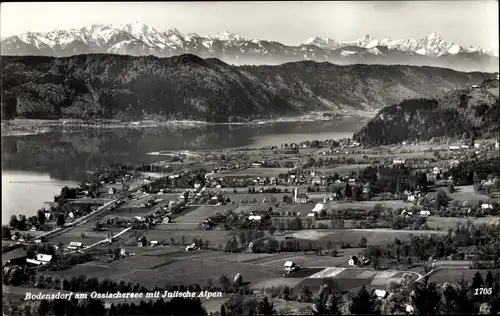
{"x":84,"y":219}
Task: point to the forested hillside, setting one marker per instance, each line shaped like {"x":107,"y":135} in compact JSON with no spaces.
{"x":463,"y":113}
{"x":189,"y":87}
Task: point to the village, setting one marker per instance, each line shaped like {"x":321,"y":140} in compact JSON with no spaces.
{"x":281,"y":217}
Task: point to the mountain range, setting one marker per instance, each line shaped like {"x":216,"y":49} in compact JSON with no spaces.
{"x":463,"y":113}
{"x":138,"y":39}
{"x":190,"y":87}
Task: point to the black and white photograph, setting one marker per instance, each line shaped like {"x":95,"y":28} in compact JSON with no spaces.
{"x":250,"y":158}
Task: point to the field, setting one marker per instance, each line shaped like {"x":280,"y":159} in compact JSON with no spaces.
{"x":443,"y":223}
{"x":466,"y":193}
{"x":344,"y":279}
{"x":90,"y":238}
{"x":374,"y":236}
{"x":453,"y":275}
{"x":343,"y":168}
{"x":369,"y":204}
{"x":153,"y":271}
{"x":259,"y":197}
{"x":255,"y":172}
{"x":213,"y":236}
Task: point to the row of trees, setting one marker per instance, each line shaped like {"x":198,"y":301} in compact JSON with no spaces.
{"x":484,"y":239}
{"x":94,"y":307}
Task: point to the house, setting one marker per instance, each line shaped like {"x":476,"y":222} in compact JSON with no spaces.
{"x":486,"y":206}
{"x":425,"y":213}
{"x":477,"y":145}
{"x":409,"y":308}
{"x":464,"y":146}
{"x":40,"y":259}
{"x":316,"y":180}
{"x":398,"y":161}
{"x":289,"y":267}
{"x":256,"y":164}
{"x":474,"y":86}
{"x":311,"y":215}
{"x":381,"y":294}
{"x":254,"y":217}
{"x":191,"y":247}
{"x":436,"y":170}
{"x":112,"y":190}
{"x":318,"y":207}
{"x":74,"y":245}
{"x":353,"y":261}
{"x":411,"y":198}
{"x":453,"y":147}
{"x":496,"y":144}
{"x":431,"y":177}
{"x":153,"y":243}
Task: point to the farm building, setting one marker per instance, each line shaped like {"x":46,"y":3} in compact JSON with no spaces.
{"x":425,"y":213}
{"x":111,"y":190}
{"x":74,"y":245}
{"x":353,"y":261}
{"x":289,"y":266}
{"x":40,"y":259}
{"x":381,"y":294}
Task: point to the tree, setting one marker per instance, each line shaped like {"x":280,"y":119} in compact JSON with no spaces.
{"x":363,"y":303}
{"x":265,"y":308}
{"x":6,"y":234}
{"x":465,"y":302}
{"x":61,"y":220}
{"x":362,"y":242}
{"x":13,"y":221}
{"x":426,"y":299}
{"x":477,"y":281}
{"x":488,"y":282}
{"x":225,"y":283}
{"x":40,"y":214}
{"x":451,"y":188}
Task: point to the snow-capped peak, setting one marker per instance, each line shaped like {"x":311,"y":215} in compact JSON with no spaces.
{"x":226,"y":36}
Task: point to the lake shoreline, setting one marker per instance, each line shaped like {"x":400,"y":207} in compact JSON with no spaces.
{"x":26,"y":127}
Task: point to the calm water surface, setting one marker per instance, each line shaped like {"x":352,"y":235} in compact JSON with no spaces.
{"x":35,"y":167}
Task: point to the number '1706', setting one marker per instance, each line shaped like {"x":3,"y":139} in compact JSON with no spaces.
{"x":483,"y":291}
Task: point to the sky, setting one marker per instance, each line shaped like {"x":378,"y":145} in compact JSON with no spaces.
{"x":463,"y":22}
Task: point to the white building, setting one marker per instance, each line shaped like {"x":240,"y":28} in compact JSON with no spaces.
{"x":425,"y":213}
{"x":381,"y":294}
{"x":453,"y":147}
{"x":40,"y":259}
{"x":398,"y":161}
{"x":436,"y":170}
{"x":254,"y":217}
{"x":289,"y":266}
{"x":486,"y":206}
{"x":74,"y":245}
{"x":353,"y":261}
{"x":300,"y":198}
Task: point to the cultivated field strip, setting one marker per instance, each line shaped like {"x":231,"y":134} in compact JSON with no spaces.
{"x":327,"y":273}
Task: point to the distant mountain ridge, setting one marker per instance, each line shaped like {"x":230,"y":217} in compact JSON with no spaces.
{"x":464,"y":113}
{"x":138,"y":39}
{"x":189,"y":87}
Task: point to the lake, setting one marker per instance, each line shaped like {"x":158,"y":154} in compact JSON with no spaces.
{"x":35,"y":167}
